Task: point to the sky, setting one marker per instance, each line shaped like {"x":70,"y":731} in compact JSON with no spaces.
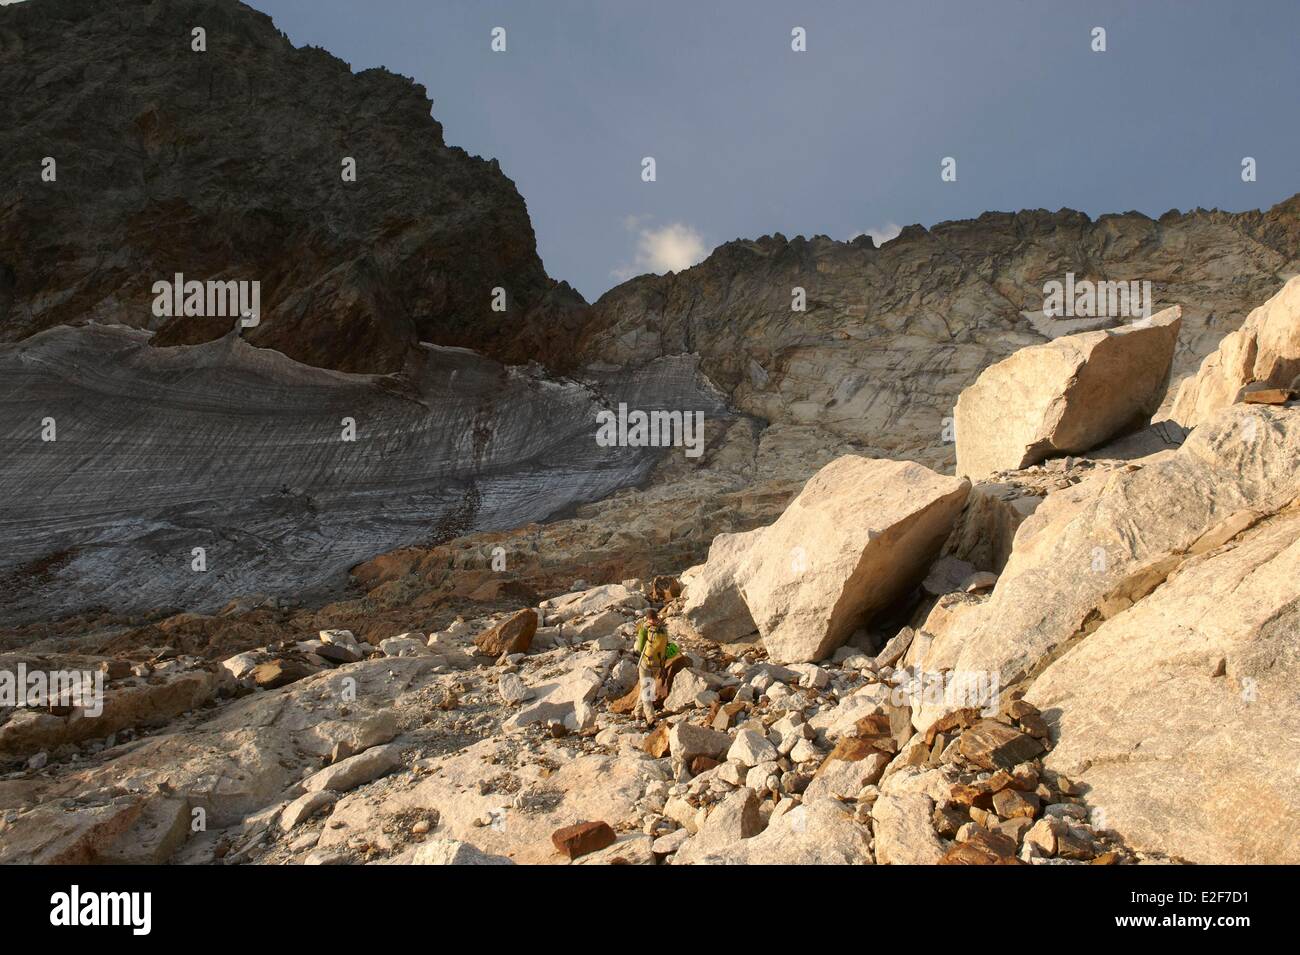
{"x":751,"y":137}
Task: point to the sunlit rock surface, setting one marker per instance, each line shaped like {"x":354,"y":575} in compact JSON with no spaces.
{"x":891,"y":335}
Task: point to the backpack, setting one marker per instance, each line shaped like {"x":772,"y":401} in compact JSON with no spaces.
{"x":655,"y":650}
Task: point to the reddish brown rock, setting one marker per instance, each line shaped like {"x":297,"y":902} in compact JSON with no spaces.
{"x":984,"y":847}
{"x":513,"y":635}
{"x":1267,"y":396}
{"x":656,"y":743}
{"x":582,"y":838}
{"x":1011,"y":804}
{"x":963,"y":853}
{"x":1073,"y":842}
{"x":1016,"y":707}
{"x":948,"y":819}
{"x":993,"y":745}
{"x":850,"y":749}
{"x":887,"y":731}
{"x":981,"y":790}
{"x":875,"y":725}
{"x":964,"y":717}
{"x":1014,"y":828}
{"x":115,"y":669}
{"x":626,"y":703}
{"x":1025,"y":777}
{"x":664,"y":588}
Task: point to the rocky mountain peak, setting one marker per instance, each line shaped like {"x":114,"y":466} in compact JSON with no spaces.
{"x":228,"y":163}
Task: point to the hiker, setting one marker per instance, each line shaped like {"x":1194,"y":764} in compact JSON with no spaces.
{"x":652,"y":651}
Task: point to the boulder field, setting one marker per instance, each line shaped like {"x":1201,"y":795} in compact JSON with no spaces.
{"x":1091,"y":659}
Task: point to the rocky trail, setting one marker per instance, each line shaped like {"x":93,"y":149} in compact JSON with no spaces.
{"x":1087,"y":657}
{"x":443,"y":754}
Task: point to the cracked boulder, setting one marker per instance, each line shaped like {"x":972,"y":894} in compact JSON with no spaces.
{"x":861,"y":534}
{"x":1179,"y":715}
{"x":1092,"y":551}
{"x":1263,"y":353}
{"x":1065,"y":396}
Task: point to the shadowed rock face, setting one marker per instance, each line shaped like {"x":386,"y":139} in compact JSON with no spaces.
{"x":892,"y":335}
{"x":240,"y":451}
{"x":227,"y":165}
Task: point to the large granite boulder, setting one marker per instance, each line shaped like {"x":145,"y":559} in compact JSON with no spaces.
{"x":1065,"y":396}
{"x":1092,"y":551}
{"x":1264,"y":351}
{"x":713,"y":604}
{"x":1180,"y":716}
{"x":861,"y":534}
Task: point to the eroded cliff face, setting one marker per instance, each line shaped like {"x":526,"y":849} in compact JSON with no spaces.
{"x":167,"y":433}
{"x":891,"y":335}
{"x":228,"y":164}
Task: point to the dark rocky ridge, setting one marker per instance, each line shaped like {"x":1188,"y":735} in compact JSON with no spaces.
{"x":226,"y":164}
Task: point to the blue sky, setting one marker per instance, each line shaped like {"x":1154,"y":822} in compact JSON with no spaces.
{"x":751,"y":138}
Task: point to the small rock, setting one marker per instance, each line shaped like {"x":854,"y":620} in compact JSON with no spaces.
{"x":582,"y":838}
{"x":355,"y":770}
{"x":513,"y":690}
{"x":513,"y":635}
{"x":751,"y":748}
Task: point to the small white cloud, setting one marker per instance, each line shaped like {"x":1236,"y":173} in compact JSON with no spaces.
{"x":670,"y":248}
{"x":882,"y":235}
